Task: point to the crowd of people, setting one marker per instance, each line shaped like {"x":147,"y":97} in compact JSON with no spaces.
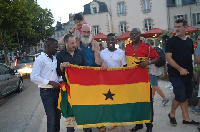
{"x":48,"y":72}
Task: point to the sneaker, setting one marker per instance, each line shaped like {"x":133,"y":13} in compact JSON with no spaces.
{"x":196,"y":110}
{"x":172,"y":120}
{"x":164,"y":102}
{"x":169,"y":85}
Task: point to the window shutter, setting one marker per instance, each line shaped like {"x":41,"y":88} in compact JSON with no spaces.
{"x":197,"y":2}
{"x":194,"y":21}
{"x":175,"y":17}
{"x":185,"y":17}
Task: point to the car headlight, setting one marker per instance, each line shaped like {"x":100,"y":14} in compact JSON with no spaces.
{"x":25,"y":70}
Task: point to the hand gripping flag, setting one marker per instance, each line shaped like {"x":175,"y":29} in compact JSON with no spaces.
{"x":117,"y":96}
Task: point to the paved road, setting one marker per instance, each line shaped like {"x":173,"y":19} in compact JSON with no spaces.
{"x":161,"y":121}
{"x":22,"y":112}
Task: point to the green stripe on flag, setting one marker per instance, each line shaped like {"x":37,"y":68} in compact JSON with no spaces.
{"x":92,"y":114}
{"x":65,"y":106}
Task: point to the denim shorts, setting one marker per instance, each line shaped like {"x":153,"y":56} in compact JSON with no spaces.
{"x":182,"y":88}
{"x":154,"y":80}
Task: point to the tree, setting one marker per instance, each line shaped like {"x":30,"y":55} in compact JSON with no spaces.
{"x":13,"y":17}
{"x":23,"y":23}
{"x":159,"y":39}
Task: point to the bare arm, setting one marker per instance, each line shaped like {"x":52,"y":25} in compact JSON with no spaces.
{"x":73,"y":28}
{"x":146,"y":63}
{"x":196,"y":59}
{"x":175,"y":65}
{"x":97,"y":53}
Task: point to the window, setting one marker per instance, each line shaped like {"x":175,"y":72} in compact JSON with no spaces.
{"x":195,"y":19}
{"x":121,"y":9}
{"x":146,"y":6}
{"x":94,"y":9}
{"x":148,"y":24}
{"x":181,"y":16}
{"x":123,"y":27}
{"x":198,"y":2}
{"x":57,"y":35}
{"x":96,"y":29}
{"x":179,"y":3}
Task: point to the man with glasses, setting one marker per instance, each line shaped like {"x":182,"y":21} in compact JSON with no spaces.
{"x":179,"y":50}
{"x":140,"y":54}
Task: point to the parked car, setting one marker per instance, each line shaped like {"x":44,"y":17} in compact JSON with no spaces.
{"x":10,"y":80}
{"x":24,"y":64}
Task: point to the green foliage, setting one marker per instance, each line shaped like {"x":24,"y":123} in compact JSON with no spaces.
{"x":195,"y":35}
{"x":23,"y":22}
{"x":158,"y":41}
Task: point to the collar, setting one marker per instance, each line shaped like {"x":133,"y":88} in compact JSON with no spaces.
{"x":142,"y":44}
{"x":45,"y":55}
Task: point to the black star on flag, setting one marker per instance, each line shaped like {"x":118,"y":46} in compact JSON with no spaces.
{"x":109,"y":95}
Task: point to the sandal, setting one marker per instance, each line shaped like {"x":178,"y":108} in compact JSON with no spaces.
{"x":102,"y":129}
{"x":111,"y":128}
{"x":190,"y":122}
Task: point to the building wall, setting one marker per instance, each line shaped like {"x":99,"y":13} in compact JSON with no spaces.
{"x":184,"y":10}
{"x":102,"y":20}
{"x":134,"y":14}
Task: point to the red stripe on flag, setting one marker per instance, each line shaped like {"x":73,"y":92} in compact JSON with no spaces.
{"x":89,"y":76}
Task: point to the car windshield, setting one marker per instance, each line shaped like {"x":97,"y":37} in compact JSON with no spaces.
{"x":26,"y":59}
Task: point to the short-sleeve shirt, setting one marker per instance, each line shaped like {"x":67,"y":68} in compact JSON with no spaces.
{"x":197,"y":51}
{"x":182,"y":51}
{"x":88,"y":55}
{"x":143,"y":52}
{"x":113,"y":59}
{"x":80,"y":27}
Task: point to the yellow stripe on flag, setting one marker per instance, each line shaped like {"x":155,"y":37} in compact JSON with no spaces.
{"x":112,"y":124}
{"x":94,"y":94}
{"x":131,"y":60}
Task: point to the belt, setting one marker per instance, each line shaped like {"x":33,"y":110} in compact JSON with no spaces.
{"x":49,"y":89}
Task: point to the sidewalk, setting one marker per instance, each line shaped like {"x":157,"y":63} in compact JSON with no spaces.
{"x":161,"y":121}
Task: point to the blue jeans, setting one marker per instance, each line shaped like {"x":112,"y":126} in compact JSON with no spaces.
{"x":50,"y":102}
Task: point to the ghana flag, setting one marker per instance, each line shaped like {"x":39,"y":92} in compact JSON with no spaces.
{"x":117,"y":96}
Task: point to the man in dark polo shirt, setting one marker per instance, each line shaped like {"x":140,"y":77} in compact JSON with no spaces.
{"x":179,"y":50}
{"x":70,"y":55}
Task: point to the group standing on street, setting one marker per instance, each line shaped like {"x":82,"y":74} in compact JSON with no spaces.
{"x":49,"y":71}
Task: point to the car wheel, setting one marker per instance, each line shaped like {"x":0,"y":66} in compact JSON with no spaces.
{"x":20,"y":86}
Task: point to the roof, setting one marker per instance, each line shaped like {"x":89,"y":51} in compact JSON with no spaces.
{"x":100,"y":37}
{"x":102,"y":8}
{"x":124,"y":36}
{"x":171,"y":3}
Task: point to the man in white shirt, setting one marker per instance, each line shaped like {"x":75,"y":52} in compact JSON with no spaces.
{"x":44,"y":74}
{"x":114,"y":57}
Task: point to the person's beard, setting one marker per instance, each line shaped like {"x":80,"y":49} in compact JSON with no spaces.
{"x":86,"y":40}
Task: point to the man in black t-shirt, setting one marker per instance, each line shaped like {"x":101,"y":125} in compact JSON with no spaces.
{"x":179,"y":50}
